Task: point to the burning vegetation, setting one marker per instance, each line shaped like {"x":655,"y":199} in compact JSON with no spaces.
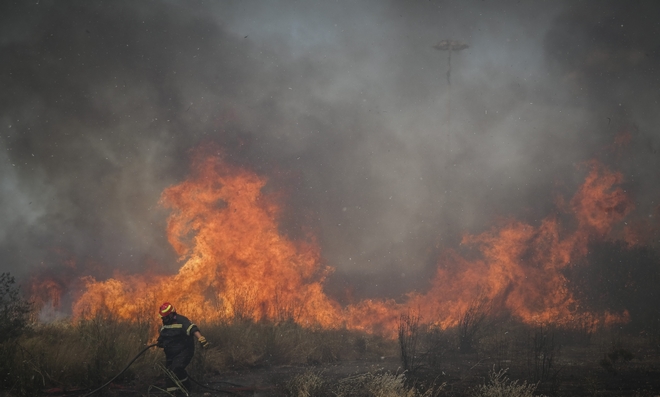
{"x":512,"y":297}
{"x":238,"y":265}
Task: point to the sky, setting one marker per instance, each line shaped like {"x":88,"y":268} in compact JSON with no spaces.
{"x":345,"y":106}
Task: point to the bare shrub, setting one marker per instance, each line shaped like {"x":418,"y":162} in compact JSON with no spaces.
{"x":471,"y":323}
{"x":499,"y":385}
{"x":409,"y":335}
{"x":437,"y":341}
{"x":544,"y":352}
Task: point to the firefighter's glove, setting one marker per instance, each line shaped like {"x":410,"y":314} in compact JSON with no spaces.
{"x":203,"y":342}
{"x":160,"y":344}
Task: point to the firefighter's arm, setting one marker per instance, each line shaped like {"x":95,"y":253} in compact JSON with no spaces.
{"x":201,"y":339}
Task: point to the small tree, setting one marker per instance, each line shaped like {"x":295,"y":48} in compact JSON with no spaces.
{"x":14,"y":310}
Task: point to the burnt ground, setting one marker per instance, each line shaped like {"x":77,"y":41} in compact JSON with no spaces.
{"x":573,"y":371}
{"x":598,"y":369}
{"x":461,"y":373}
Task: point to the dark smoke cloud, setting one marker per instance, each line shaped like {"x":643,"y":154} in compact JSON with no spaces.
{"x":608,"y":56}
{"x":344,"y":105}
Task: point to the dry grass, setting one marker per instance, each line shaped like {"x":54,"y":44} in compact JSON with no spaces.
{"x":313,"y":384}
{"x":248,"y":344}
{"x":499,"y":385}
{"x":88,"y":353}
{"x":308,"y":384}
{"x":83,"y":354}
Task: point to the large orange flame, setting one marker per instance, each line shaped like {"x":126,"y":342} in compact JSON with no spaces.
{"x":519,"y":267}
{"x":237,"y":264}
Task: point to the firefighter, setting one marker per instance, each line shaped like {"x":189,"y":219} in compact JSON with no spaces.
{"x":176,"y":338}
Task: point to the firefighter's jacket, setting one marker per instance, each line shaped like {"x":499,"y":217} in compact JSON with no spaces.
{"x":177,"y":336}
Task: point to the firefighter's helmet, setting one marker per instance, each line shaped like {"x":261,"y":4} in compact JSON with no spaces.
{"x":166,"y":309}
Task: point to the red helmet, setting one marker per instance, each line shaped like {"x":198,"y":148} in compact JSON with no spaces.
{"x":165,"y":309}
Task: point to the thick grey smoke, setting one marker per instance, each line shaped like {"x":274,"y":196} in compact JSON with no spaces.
{"x":345,"y":105}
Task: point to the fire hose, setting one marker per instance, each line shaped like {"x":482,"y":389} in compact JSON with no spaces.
{"x":122,"y":371}
{"x":234,"y":389}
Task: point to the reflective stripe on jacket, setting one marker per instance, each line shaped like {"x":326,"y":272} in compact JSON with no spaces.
{"x":178,"y":336}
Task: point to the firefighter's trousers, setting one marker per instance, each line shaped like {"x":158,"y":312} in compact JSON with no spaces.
{"x":177,"y":363}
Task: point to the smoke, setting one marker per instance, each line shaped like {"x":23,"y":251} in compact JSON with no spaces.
{"x":344,"y":106}
{"x":606,"y":57}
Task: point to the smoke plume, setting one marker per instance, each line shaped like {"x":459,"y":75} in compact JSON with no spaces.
{"x":344,"y":107}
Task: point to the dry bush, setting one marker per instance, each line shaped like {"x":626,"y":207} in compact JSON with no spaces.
{"x":472,"y":323}
{"x":247,"y":344}
{"x":307,"y":384}
{"x":243,"y":304}
{"x":15,"y":313}
{"x":618,"y":355}
{"x":251,"y":344}
{"x":110,"y":344}
{"x":409,"y":339}
{"x":544,"y":351}
{"x":89,"y":352}
{"x":312,"y":384}
{"x":80,"y":355}
{"x":380,"y":385}
{"x":499,"y":385}
{"x":498,"y":345}
{"x":14,"y":310}
{"x":437,"y":342}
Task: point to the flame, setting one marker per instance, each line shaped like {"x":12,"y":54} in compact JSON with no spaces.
{"x":49,"y":285}
{"x":522,"y":265}
{"x":238,"y":265}
{"x":519,"y":267}
{"x":46,"y":292}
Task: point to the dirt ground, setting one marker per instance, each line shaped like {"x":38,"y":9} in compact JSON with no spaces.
{"x":574,"y":371}
{"x":461,"y":375}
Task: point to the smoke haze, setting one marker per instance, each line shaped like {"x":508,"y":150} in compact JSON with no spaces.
{"x":344,"y":106}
